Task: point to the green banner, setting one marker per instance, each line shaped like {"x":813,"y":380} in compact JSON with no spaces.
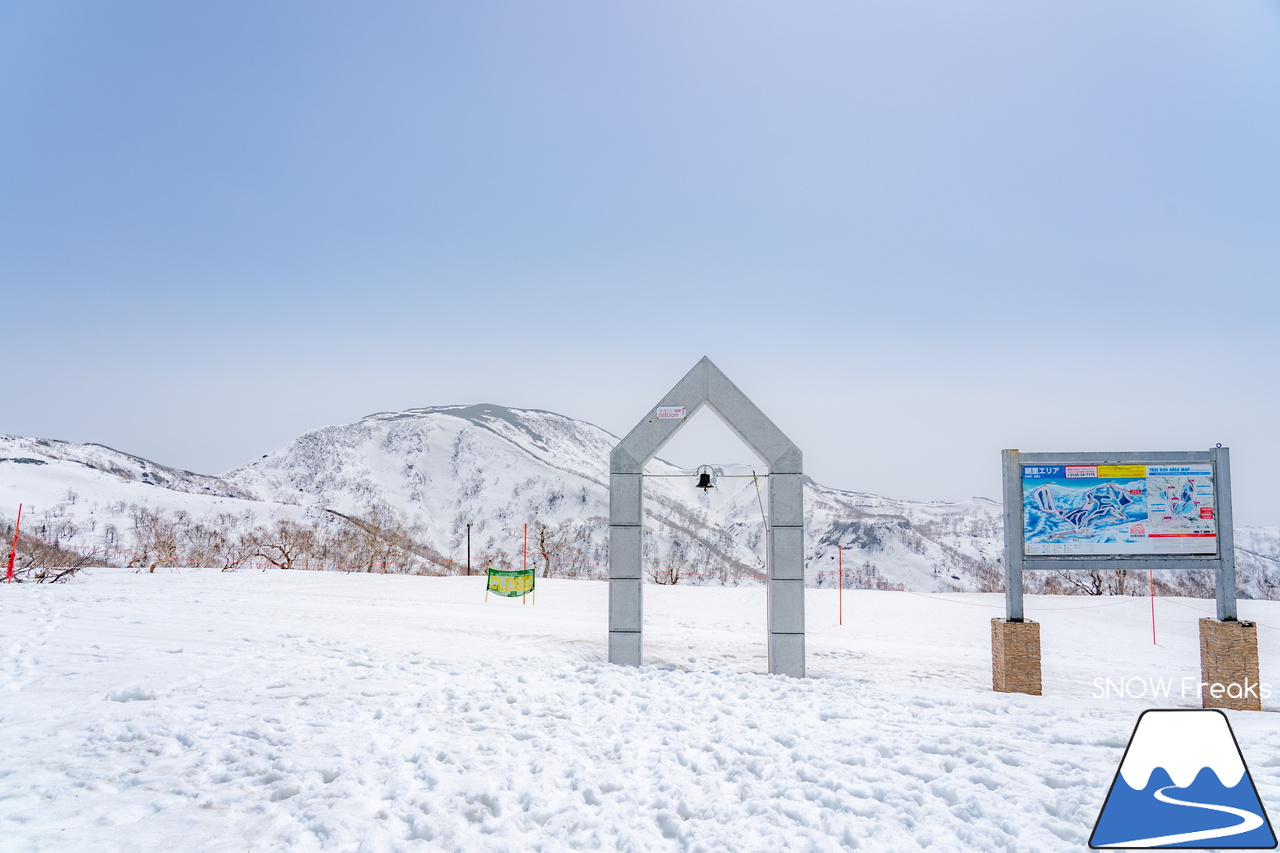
{"x":511,"y":584}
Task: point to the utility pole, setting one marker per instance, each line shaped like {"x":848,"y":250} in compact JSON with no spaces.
{"x":468,"y":549}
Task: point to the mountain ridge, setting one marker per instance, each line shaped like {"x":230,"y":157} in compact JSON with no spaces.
{"x":440,"y":468}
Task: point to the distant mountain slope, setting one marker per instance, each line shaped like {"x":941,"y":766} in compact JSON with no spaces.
{"x":497,"y":469}
{"x":89,"y":496}
{"x":123,"y":466}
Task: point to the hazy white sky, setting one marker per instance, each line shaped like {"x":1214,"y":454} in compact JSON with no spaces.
{"x":914,"y":232}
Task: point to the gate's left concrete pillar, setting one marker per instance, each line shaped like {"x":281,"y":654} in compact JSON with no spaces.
{"x":626,"y":593}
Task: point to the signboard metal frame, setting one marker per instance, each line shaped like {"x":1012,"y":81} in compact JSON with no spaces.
{"x":1223,"y":563}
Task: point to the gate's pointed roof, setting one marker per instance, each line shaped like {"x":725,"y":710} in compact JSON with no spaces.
{"x":706,"y":385}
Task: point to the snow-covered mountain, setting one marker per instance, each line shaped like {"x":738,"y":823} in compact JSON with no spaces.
{"x":90,"y":497}
{"x":496,"y":469}
{"x":120,"y":466}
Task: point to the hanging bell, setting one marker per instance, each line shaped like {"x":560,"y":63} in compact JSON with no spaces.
{"x":704,"y":480}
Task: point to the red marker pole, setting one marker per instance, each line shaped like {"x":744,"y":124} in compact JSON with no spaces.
{"x":1151,"y":581}
{"x":13,"y":551}
{"x":840,"y":551}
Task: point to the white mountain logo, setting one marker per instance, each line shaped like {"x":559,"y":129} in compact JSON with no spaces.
{"x":1183,"y":783}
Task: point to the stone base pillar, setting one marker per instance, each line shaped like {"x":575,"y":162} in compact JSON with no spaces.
{"x":1015,"y":657}
{"x":1229,"y":665}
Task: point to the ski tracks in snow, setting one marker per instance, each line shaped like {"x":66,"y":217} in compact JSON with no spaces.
{"x":23,"y":659}
{"x":188,"y":714}
{"x":358,"y":754}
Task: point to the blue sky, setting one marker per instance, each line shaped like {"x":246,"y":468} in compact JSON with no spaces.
{"x":914,"y":233}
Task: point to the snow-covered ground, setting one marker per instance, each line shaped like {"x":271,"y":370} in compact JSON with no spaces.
{"x":303,"y":711}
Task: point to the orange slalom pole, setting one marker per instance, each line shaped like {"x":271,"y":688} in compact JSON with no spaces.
{"x":1151,"y":581}
{"x":13,"y":551}
{"x":840,"y":551}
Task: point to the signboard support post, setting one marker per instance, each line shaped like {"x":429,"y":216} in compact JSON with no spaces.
{"x":1226,"y":580}
{"x":1012,"y":536}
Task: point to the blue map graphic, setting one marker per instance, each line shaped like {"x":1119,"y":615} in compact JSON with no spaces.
{"x":1090,"y":511}
{"x":1163,"y":810}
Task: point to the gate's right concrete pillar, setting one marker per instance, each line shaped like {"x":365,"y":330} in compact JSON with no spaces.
{"x":786,"y":573}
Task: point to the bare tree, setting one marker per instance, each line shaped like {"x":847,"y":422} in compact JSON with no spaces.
{"x":549,"y":541}
{"x":379,"y":541}
{"x":45,"y":562}
{"x":218,"y":544}
{"x":156,"y":539}
{"x":1089,"y":582}
{"x":668,"y":570}
{"x":284,"y":544}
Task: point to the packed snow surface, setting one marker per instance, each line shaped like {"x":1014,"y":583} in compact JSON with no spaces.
{"x":297,"y":711}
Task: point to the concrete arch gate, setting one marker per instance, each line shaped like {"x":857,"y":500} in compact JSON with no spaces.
{"x":705,"y":385}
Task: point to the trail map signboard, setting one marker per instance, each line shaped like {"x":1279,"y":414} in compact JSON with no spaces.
{"x":1107,"y":511}
{"x":1118,"y":509}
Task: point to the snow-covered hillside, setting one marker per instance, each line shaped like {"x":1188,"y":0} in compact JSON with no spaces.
{"x":498,"y":468}
{"x":439,"y":469}
{"x":89,"y":496}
